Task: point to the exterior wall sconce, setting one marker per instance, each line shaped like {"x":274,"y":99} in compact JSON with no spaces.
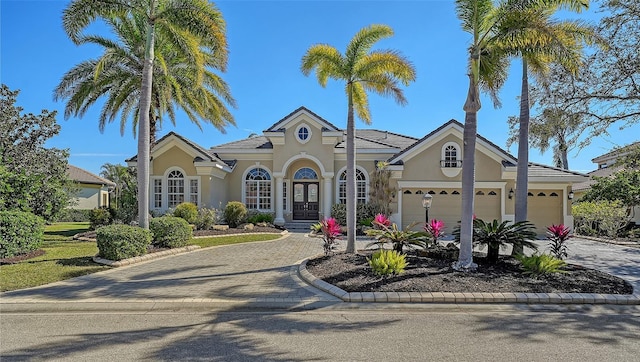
{"x":511,"y":194}
{"x":570,"y":195}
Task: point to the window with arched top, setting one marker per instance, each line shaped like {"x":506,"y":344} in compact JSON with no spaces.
{"x":305,"y":173}
{"x":175,"y":188}
{"x":451,"y":159}
{"x":257,"y":189}
{"x":361,"y":187}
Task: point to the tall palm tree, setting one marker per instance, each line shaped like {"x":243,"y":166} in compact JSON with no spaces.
{"x":182,"y":21}
{"x":362,"y":69}
{"x":551,"y":42}
{"x":117,"y":75}
{"x":119,"y":175}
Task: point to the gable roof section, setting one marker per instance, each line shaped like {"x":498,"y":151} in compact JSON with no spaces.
{"x":408,"y":152}
{"x":617,"y":152}
{"x":325,"y":125}
{"x":252,"y":143}
{"x":201,"y":154}
{"x":85,"y":177}
{"x":539,"y":172}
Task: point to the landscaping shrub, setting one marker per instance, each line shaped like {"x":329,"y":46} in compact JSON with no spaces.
{"x":255,"y":217}
{"x":364,"y":212}
{"x":73,"y":215}
{"x":538,"y":264}
{"x":606,"y":217}
{"x":187,"y":211}
{"x":206,"y":218}
{"x":117,"y":242}
{"x":20,"y":233}
{"x":99,"y":217}
{"x":386,"y":262}
{"x":234,"y":213}
{"x":170,"y":231}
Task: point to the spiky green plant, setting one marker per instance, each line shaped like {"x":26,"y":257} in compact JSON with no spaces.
{"x":539,"y":264}
{"x":398,"y":237}
{"x":387,"y":262}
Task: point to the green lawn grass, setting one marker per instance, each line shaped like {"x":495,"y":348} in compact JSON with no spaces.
{"x":65,"y":258}
{"x":232,"y":239}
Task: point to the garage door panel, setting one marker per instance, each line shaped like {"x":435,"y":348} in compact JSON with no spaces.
{"x":544,"y":207}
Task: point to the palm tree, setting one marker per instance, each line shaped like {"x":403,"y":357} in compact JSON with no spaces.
{"x":117,"y":76}
{"x":362,"y":69}
{"x":119,"y":175}
{"x":551,"y":42}
{"x":182,"y":21}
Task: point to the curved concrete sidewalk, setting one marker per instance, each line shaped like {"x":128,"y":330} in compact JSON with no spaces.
{"x":265,"y":274}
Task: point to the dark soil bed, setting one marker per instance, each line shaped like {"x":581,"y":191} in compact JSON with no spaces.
{"x":351,"y":272}
{"x":21,"y":257}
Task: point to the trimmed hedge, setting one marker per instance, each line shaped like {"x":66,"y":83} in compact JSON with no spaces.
{"x":20,"y":233}
{"x":100,"y":216}
{"x":73,"y":215}
{"x":170,"y":231}
{"x":187,"y":211}
{"x":117,"y":242}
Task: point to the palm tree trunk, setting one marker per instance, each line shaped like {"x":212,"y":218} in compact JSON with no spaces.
{"x":351,"y":179}
{"x":143,"y":129}
{"x":522,"y":181}
{"x":471,"y":107}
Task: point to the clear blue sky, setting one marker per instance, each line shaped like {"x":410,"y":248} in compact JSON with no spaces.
{"x":267,"y":40}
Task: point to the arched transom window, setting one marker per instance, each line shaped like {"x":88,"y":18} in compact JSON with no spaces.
{"x":361,"y":187}
{"x":257,"y":189}
{"x":305,"y":173}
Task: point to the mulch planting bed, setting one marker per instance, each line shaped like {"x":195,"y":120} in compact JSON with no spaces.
{"x":352,"y":273}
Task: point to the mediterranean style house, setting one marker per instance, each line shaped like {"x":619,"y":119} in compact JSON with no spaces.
{"x":93,"y":190}
{"x":297,"y":169}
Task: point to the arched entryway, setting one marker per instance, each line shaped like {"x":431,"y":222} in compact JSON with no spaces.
{"x":306,"y":195}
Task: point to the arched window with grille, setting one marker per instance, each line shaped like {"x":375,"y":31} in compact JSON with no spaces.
{"x":361,"y":187}
{"x":305,"y":173}
{"x":451,"y":155}
{"x":175,"y":188}
{"x":257,"y":189}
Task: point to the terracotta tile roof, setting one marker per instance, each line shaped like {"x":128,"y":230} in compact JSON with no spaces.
{"x":85,"y":177}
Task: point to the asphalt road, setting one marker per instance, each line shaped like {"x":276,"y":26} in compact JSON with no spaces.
{"x":359,"y":333}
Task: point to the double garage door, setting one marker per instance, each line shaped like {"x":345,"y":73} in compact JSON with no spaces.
{"x":446,"y":206}
{"x":544,"y":207}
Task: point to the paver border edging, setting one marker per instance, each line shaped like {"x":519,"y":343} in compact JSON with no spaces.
{"x":445,"y":297}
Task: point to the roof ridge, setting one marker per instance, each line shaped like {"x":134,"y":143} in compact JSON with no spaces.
{"x":389,"y":132}
{"x":375,"y":141}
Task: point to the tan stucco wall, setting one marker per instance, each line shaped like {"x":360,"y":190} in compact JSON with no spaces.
{"x":88,"y":197}
{"x":174,"y":157}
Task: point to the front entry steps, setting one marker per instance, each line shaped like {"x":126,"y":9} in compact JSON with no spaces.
{"x":299,"y":226}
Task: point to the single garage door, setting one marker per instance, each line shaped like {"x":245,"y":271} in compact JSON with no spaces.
{"x":544,"y":208}
{"x":447,"y":206}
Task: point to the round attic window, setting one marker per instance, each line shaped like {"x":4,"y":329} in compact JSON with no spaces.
{"x":303,"y":133}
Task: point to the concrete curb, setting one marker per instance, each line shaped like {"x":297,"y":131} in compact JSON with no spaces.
{"x":443,"y":297}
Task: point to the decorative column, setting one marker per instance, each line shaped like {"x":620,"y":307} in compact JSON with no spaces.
{"x":279,"y":220}
{"x":328,"y":192}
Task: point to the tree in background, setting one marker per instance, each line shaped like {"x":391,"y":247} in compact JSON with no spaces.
{"x":606,"y":91}
{"x":362,"y":69}
{"x":123,"y":177}
{"x":553,"y":127}
{"x":381,"y":191}
{"x":190,"y":24}
{"x":32,"y":178}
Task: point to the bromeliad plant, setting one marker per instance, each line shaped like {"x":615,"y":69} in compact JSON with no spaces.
{"x":386,"y":262}
{"x":380,"y":221}
{"x":557,"y":236}
{"x":436,"y":229}
{"x":330,"y":233}
{"x":399,"y":238}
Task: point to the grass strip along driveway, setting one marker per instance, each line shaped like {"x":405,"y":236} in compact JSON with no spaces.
{"x":65,"y":258}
